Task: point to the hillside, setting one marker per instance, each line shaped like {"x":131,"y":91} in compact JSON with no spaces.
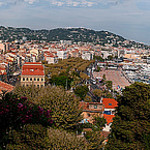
{"x":73,"y":34}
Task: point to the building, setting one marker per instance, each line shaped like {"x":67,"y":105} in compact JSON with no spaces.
{"x":62,"y":54}
{"x":33,"y":73}
{"x":5,"y":87}
{"x":91,"y":109}
{"x":109,"y":112}
{"x":109,"y":120}
{"x":50,"y":58}
{"x":86,"y":55}
{"x":109,"y":106}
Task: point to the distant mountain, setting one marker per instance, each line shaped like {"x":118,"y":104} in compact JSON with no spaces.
{"x":73,"y":34}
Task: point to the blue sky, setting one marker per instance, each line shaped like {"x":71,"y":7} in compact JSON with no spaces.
{"x":129,"y":18}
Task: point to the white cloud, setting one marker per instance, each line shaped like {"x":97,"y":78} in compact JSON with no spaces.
{"x":1,"y":3}
{"x":30,"y":1}
{"x":86,"y":3}
{"x":57,"y":3}
{"x":73,"y":3}
{"x":14,"y":2}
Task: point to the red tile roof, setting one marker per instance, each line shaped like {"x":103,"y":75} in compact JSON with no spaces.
{"x":32,"y":68}
{"x":109,"y":118}
{"x":110,"y":103}
{"x":6,"y":87}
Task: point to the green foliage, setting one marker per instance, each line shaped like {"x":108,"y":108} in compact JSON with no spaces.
{"x":97,"y":92}
{"x":33,"y":137}
{"x":104,"y":78}
{"x":67,"y":71}
{"x":109,"y":84}
{"x":131,"y":126}
{"x":30,"y":137}
{"x":62,"y":140}
{"x":94,"y":140}
{"x":81,"y":91}
{"x":99,"y":58}
{"x":87,"y":98}
{"x":30,"y":92}
{"x":16,"y":112}
{"x":65,"y":108}
{"x":99,"y":122}
{"x":98,"y":69}
{"x":61,"y":80}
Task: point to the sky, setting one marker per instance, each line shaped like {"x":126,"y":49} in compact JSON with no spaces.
{"x":128,"y":18}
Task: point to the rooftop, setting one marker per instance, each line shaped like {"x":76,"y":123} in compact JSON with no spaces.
{"x":110,"y":103}
{"x":33,"y":68}
{"x":5,"y":87}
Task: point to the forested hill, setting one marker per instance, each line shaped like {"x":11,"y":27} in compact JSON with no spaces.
{"x":73,"y":34}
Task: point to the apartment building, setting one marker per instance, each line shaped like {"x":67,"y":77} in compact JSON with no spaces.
{"x":33,"y":73}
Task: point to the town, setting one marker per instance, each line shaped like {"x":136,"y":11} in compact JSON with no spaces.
{"x":93,"y":73}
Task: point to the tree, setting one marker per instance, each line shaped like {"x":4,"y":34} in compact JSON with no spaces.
{"x":104,"y":78}
{"x":30,"y":137}
{"x":33,"y":137}
{"x":65,"y":108}
{"x":84,"y":76}
{"x":62,"y":80}
{"x":29,"y":91}
{"x":81,"y":91}
{"x":62,"y":140}
{"x":131,"y":126}
{"x":98,"y":94}
{"x":94,"y":140}
{"x":87,"y":98}
{"x":99,"y":122}
{"x":109,"y":85}
{"x":99,"y":58}
{"x":16,"y":112}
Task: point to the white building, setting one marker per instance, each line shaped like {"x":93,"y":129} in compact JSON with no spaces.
{"x":86,"y":55}
{"x":62,"y":54}
{"x":52,"y":59}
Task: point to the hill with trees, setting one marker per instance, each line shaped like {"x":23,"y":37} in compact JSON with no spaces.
{"x":71,"y":34}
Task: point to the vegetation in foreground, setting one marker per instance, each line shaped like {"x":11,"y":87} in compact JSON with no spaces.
{"x":20,"y":128}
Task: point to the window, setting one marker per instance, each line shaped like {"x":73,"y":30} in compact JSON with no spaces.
{"x":41,"y":79}
{"x":30,"y":79}
{"x":41,"y":85}
{"x":23,"y":79}
{"x":37,"y":79}
{"x":107,"y":112}
{"x":38,"y":86}
{"x":34,"y":79}
{"x":110,"y":104}
{"x":95,"y":106}
{"x":27,"y":79}
{"x":27,"y":85}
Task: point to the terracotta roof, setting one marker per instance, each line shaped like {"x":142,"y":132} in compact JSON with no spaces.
{"x":6,"y":87}
{"x":109,"y":118}
{"x":32,"y":68}
{"x":84,"y":105}
{"x":110,"y":103}
{"x":31,"y":63}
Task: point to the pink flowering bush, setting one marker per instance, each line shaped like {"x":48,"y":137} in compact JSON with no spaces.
{"x":16,"y":112}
